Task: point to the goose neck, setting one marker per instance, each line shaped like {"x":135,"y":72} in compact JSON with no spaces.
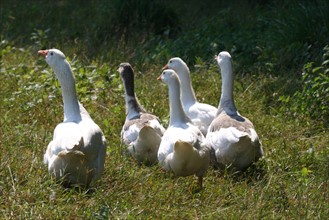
{"x":177,"y":114}
{"x":187,"y":92}
{"x":227,"y":100}
{"x":70,"y":99}
{"x":133,"y":108}
{"x":128,"y":83}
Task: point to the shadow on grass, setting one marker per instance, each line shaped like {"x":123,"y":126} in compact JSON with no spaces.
{"x":254,"y":173}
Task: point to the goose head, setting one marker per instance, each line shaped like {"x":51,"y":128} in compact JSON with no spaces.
{"x":54,"y":57}
{"x":125,"y":70}
{"x":167,"y":76}
{"x":176,"y":64}
{"x":223,"y":58}
{"x":62,"y":69}
{"x":127,"y":76}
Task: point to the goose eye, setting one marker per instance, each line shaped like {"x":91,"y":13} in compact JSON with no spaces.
{"x":51,"y":53}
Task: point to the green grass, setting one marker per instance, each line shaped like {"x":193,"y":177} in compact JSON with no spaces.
{"x":288,"y":183}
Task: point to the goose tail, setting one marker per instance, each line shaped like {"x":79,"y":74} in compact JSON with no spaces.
{"x":70,"y":167}
{"x":183,"y":148}
{"x":149,"y":135}
{"x":145,"y":149}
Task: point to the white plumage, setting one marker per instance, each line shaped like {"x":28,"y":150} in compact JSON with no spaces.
{"x":76,"y":155}
{"x":232,"y":136}
{"x":182,"y":150}
{"x":201,"y":114}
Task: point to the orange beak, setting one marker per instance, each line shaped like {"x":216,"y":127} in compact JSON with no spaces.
{"x":165,"y":67}
{"x":43,"y":52}
{"x":159,"y":77}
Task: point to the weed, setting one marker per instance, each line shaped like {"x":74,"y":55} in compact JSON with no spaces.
{"x":312,"y":99}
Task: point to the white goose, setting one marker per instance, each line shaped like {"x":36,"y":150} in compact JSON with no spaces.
{"x":232,"y":136}
{"x":201,"y":114}
{"x":77,"y":152}
{"x":182,"y":150}
{"x":141,"y":131}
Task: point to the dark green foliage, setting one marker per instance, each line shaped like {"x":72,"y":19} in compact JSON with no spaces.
{"x":313,"y":98}
{"x":296,"y":32}
{"x":275,"y":36}
{"x":143,"y":16}
{"x":98,"y":23}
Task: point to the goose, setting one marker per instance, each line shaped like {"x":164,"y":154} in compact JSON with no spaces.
{"x":201,"y":114}
{"x":232,"y":137}
{"x":183,"y":149}
{"x":76,"y":155}
{"x":141,"y":131}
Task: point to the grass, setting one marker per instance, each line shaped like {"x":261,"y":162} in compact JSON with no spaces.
{"x":288,"y":183}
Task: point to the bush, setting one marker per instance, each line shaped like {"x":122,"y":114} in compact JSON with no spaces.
{"x":313,"y":99}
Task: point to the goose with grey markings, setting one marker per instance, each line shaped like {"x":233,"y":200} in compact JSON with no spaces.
{"x":76,"y":155}
{"x":142,"y":131}
{"x":201,"y":114}
{"x":183,"y":148}
{"x":232,"y":137}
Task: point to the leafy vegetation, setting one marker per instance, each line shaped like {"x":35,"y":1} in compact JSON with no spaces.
{"x":313,"y":99}
{"x":281,"y":63}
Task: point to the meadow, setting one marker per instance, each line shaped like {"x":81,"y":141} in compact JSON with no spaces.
{"x":281,"y":61}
